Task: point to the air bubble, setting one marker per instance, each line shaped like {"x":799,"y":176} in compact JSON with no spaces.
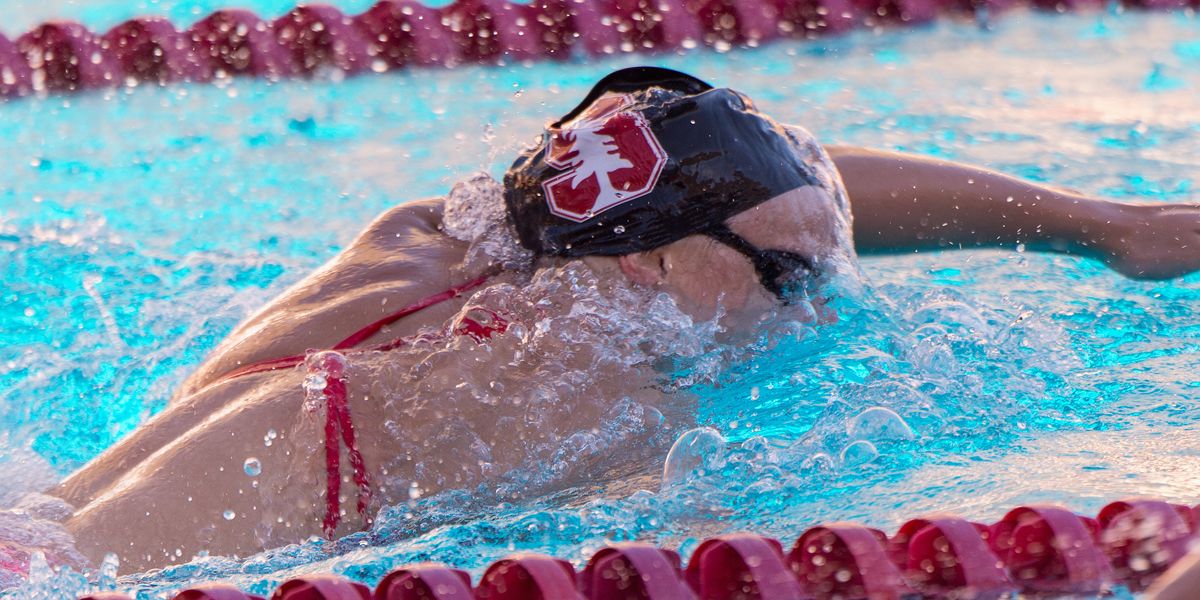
{"x":229,"y":515}
{"x":696,"y":451}
{"x":878,"y":423}
{"x":859,"y":453}
{"x":252,"y":467}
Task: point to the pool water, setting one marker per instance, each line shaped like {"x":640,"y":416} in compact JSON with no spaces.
{"x":138,"y":226}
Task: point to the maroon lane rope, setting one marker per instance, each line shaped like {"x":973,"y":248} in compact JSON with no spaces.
{"x":61,"y":57}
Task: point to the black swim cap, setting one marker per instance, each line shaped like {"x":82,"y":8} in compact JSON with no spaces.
{"x":649,"y":157}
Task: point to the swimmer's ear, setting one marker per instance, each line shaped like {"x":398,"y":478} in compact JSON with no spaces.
{"x":644,"y":268}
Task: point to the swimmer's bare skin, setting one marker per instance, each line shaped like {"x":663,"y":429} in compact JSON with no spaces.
{"x":398,"y":259}
{"x":378,"y":273}
{"x":1180,"y":582}
{"x":905,"y":203}
{"x":184,"y":467}
{"x":193,"y":494}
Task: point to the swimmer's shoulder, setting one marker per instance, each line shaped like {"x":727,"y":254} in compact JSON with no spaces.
{"x":407,"y":236}
{"x":401,"y":223}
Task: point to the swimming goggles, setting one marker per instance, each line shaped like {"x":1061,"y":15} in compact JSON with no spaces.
{"x":779,"y":271}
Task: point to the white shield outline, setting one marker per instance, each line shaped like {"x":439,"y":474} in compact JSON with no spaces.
{"x":622,"y":197}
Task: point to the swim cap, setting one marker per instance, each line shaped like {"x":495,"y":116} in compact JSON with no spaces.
{"x":649,"y":157}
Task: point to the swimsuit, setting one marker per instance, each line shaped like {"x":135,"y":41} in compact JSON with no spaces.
{"x":337,"y":410}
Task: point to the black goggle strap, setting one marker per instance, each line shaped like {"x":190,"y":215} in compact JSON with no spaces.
{"x":772,"y":265}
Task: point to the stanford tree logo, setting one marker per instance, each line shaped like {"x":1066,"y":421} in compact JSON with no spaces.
{"x":608,"y":156}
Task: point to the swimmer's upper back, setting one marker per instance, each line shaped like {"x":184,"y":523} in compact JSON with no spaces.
{"x":400,"y":258}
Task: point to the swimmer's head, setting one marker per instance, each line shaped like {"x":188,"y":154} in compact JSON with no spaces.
{"x":652,"y":157}
{"x":649,"y":157}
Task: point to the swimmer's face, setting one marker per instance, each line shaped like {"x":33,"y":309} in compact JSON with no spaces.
{"x":706,"y":276}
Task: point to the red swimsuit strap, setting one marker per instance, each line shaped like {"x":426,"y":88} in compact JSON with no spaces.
{"x":337,"y":418}
{"x":366,"y":332}
{"x":361,"y":335}
{"x":338,"y":423}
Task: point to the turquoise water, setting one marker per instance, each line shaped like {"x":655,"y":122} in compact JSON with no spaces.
{"x":139,"y":226}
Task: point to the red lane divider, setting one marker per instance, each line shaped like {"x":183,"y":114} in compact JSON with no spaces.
{"x":321,"y":587}
{"x":734,"y":22}
{"x":634,"y":571}
{"x":237,"y":42}
{"x":405,"y":33}
{"x":742,"y":566}
{"x":15,"y":74}
{"x":1051,"y":550}
{"x":151,"y":50}
{"x":214,"y":592}
{"x":842,"y":560}
{"x":948,"y":553}
{"x":322,"y":37}
{"x":1144,"y":537}
{"x":425,"y":582}
{"x":529,"y":577}
{"x":1038,"y":550}
{"x":310,"y":39}
{"x":65,"y":57}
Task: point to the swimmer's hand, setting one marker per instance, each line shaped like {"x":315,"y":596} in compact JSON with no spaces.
{"x":1153,"y":241}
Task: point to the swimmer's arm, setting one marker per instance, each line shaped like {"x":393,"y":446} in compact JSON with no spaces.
{"x":906,"y":203}
{"x":1180,"y":582}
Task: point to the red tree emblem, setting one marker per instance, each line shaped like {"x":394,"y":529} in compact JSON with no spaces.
{"x":609,"y":156}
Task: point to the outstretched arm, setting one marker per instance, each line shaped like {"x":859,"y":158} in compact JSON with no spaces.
{"x":1180,"y":582}
{"x":905,"y":203}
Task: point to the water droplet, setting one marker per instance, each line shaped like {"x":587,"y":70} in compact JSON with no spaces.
{"x":252,"y":467}
{"x":315,"y":383}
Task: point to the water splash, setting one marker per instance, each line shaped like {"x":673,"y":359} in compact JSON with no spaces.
{"x":475,"y":213}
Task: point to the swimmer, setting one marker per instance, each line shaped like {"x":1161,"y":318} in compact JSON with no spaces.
{"x":1181,"y":581}
{"x":656,"y":186}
